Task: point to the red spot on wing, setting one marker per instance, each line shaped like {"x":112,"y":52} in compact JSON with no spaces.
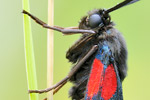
{"x":95,"y":78}
{"x":109,"y":86}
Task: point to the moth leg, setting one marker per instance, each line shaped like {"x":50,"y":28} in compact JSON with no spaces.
{"x":78,"y":65}
{"x":59,"y":87}
{"x":50,"y":88}
{"x":67,"y":27}
{"x":66,"y":31}
{"x":72,"y":72}
{"x":45,"y":99}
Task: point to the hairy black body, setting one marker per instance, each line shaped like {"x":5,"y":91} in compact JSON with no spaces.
{"x":85,"y":43}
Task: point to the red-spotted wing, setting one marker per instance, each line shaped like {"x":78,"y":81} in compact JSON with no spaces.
{"x":104,"y":82}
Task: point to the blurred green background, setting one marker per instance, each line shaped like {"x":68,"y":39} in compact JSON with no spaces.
{"x":133,"y":21}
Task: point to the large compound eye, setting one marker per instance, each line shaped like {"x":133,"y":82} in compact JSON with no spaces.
{"x":95,"y":20}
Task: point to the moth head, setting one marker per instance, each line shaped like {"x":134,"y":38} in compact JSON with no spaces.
{"x":99,"y":18}
{"x":95,"y":19}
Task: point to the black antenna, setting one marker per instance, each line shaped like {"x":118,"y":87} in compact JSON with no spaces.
{"x":124,"y":3}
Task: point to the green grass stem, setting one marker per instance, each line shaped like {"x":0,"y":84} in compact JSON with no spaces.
{"x":29,"y":53}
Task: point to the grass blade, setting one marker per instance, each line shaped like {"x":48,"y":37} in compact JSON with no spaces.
{"x":50,"y":47}
{"x":29,"y":54}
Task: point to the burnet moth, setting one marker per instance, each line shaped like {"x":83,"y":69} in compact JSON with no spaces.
{"x":99,"y":57}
